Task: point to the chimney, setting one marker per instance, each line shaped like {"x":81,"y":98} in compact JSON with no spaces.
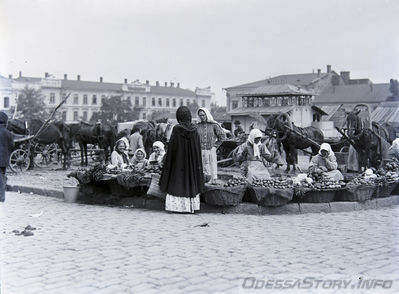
{"x":101,"y":79}
{"x":65,"y":77}
{"x":328,"y":68}
{"x":157,"y":83}
{"x":147,"y":82}
{"x":166,"y":84}
{"x":78,"y":78}
{"x":46,"y":75}
{"x":172,"y":84}
{"x":318,"y":72}
{"x":178,"y":85}
{"x":345,"y":75}
{"x":10,"y":77}
{"x":125,"y":81}
{"x":20,"y":74}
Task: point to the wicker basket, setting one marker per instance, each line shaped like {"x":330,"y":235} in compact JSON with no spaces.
{"x":270,"y":196}
{"x":223,"y":196}
{"x":314,"y":196}
{"x":154,"y":189}
{"x":384,"y":190}
{"x":396,"y":189}
{"x":355,"y":193}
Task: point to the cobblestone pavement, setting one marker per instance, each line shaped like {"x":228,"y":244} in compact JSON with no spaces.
{"x":95,"y":249}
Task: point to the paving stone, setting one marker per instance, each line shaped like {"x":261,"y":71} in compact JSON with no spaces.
{"x":314,"y":207}
{"x":384,"y":202}
{"x":342,"y":206}
{"x":368,"y":204}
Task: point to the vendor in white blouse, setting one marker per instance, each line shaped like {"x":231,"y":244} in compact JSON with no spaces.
{"x":326,"y":162}
{"x":158,"y":153}
{"x":119,"y":157}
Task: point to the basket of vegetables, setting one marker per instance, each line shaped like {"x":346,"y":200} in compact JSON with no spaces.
{"x":228,"y":194}
{"x":271,"y":192}
{"x":385,"y":184}
{"x":358,"y":189}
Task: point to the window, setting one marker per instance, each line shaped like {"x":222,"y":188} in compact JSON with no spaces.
{"x":144,"y":101}
{"x":136,"y":101}
{"x":52,"y":98}
{"x":316,"y":117}
{"x":85,"y":99}
{"x":94,"y":99}
{"x":160,"y":102}
{"x":144,"y":115}
{"x":75,"y":99}
{"x":234,"y":104}
{"x":181,"y":102}
{"x":6,"y":102}
{"x":84,"y":115}
{"x":266,"y":101}
{"x":153,"y":101}
{"x":64,"y":115}
{"x":174,"y":102}
{"x":285,"y":101}
{"x":167,"y":102}
{"x":75,"y":115}
{"x":187,"y":102}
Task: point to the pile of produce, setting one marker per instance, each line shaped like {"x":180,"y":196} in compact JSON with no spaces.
{"x":361,"y":180}
{"x":319,"y":181}
{"x":277,"y":183}
{"x":85,"y":176}
{"x":131,"y":179}
{"x":235,"y":181}
{"x":392,"y":166}
{"x":153,"y":169}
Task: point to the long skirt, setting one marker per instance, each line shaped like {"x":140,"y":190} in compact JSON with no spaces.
{"x":182,"y":204}
{"x":210,"y":163}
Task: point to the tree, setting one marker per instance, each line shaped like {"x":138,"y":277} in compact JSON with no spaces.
{"x":30,"y":104}
{"x":115,"y":109}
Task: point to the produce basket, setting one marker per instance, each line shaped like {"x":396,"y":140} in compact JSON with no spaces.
{"x":154,"y":189}
{"x":384,"y":190}
{"x":355,"y":193}
{"x":318,"y":196}
{"x":223,"y":196}
{"x":268,"y":196}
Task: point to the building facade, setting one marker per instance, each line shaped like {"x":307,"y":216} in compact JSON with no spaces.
{"x":86,"y":96}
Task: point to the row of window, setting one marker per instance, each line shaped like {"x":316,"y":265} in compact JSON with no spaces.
{"x":274,"y":101}
{"x":75,"y":116}
{"x":136,"y":101}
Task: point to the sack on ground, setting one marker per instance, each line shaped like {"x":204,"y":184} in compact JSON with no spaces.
{"x":154,"y":189}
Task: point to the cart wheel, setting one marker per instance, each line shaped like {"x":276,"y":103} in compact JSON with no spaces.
{"x":19,"y":160}
{"x":46,"y":155}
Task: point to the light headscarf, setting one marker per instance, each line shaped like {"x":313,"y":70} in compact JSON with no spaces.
{"x":395,"y":143}
{"x":135,"y":154}
{"x":327,"y":147}
{"x":209,"y":117}
{"x":255,"y":133}
{"x":160,"y":145}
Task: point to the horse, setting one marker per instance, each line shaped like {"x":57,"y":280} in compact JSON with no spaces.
{"x":102,"y":134}
{"x":370,"y":139}
{"x":55,"y":132}
{"x":292,"y":141}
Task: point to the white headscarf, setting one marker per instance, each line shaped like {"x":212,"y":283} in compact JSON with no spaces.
{"x":395,"y":143}
{"x":160,"y":145}
{"x":255,"y":133}
{"x":327,"y":147}
{"x":209,"y":117}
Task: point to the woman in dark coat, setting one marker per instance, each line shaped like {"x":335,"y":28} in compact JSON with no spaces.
{"x":182,"y":174}
{"x":6,"y":145}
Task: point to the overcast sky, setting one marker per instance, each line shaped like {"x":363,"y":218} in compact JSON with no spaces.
{"x":217,"y":43}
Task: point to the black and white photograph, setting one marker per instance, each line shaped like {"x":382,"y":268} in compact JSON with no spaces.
{"x":199,"y":146}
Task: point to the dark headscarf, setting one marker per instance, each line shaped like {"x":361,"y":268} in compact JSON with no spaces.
{"x":183,"y":116}
{"x":3,"y":118}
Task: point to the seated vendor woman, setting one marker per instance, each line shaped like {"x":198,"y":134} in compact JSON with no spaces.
{"x":251,"y":155}
{"x":326,"y":162}
{"x":139,"y":160}
{"x":119,"y":157}
{"x":393,"y":151}
{"x":156,"y":157}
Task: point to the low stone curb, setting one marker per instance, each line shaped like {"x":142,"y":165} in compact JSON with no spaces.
{"x":242,"y":208}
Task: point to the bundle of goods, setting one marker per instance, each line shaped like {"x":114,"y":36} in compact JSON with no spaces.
{"x":131,"y":179}
{"x":316,"y":187}
{"x":154,"y":189}
{"x":386,"y":180}
{"x":153,"y":169}
{"x":229,"y":193}
{"x":275,"y":191}
{"x":85,"y":176}
{"x":360,"y":188}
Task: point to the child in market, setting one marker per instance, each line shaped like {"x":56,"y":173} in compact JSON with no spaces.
{"x":139,"y":160}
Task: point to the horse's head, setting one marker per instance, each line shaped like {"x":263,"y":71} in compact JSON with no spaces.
{"x":353,"y":123}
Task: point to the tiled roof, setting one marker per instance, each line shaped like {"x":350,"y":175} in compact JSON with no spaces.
{"x":386,"y":112}
{"x":172,"y":91}
{"x":330,"y":110}
{"x":374,"y":93}
{"x":283,"y":89}
{"x":295,"y":79}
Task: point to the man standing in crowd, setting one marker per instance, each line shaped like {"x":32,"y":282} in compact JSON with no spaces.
{"x":6,"y":145}
{"x":238,"y":131}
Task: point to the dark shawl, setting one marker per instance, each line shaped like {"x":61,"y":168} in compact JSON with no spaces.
{"x":182,"y":173}
{"x":6,"y":141}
